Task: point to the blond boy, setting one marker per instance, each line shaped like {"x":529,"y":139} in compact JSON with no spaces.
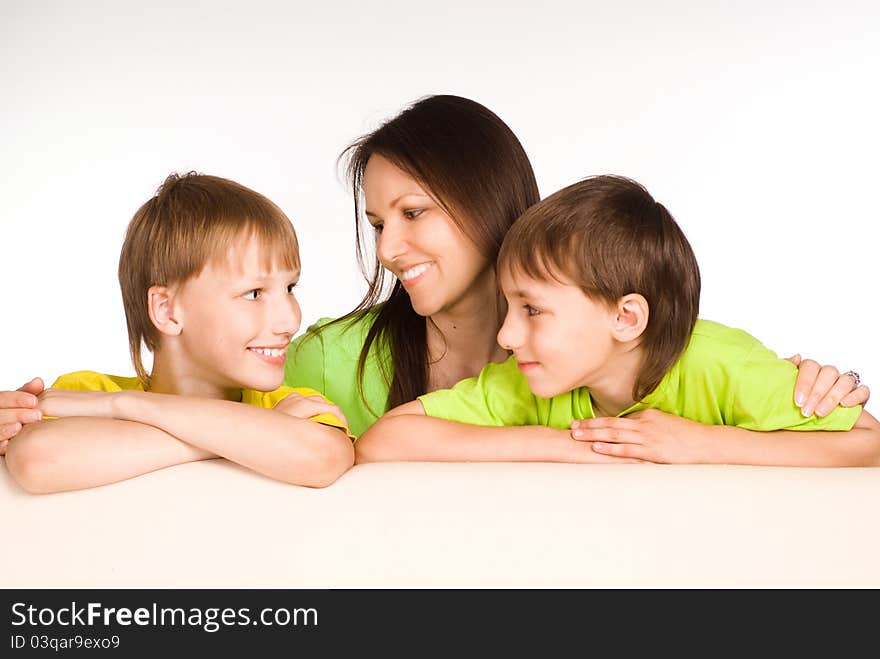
{"x":207,"y":273}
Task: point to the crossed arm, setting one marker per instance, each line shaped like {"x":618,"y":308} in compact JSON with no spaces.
{"x":405,"y":433}
{"x":104,"y":437}
{"x":655,"y":436}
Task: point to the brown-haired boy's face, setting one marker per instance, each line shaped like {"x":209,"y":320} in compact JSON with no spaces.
{"x":238,"y":318}
{"x":561,"y":339}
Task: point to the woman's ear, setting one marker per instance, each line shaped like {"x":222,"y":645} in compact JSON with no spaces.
{"x":632,"y":317}
{"x":166,"y":317}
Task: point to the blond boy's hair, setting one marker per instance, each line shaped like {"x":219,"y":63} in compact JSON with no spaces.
{"x":610,"y":237}
{"x":192,"y":220}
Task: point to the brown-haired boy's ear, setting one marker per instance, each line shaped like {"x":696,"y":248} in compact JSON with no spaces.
{"x":632,"y":317}
{"x":160,"y":306}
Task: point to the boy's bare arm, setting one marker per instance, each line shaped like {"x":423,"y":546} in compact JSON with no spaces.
{"x":660,"y":437}
{"x":407,"y":434}
{"x":278,"y":445}
{"x":79,"y":452}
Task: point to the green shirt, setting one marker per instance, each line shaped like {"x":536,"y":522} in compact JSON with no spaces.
{"x":328,"y":361}
{"x":724,"y":377}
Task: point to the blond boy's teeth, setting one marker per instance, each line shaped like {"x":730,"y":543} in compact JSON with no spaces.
{"x":412,"y":273}
{"x":270,"y":352}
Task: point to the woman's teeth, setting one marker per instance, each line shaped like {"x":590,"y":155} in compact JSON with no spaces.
{"x":270,"y":352}
{"x":412,"y":273}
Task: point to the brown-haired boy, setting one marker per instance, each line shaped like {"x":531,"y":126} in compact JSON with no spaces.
{"x":207,"y":272}
{"x":603,"y":292}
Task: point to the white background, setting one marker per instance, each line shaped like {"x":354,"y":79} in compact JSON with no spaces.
{"x":755,"y":123}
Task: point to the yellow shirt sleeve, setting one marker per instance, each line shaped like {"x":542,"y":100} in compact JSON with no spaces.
{"x":271,"y":398}
{"x":93,"y":381}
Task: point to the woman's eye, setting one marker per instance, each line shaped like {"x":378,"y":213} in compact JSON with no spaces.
{"x":413,"y":213}
{"x":252,"y":295}
{"x":377,"y":227}
{"x":530,"y":310}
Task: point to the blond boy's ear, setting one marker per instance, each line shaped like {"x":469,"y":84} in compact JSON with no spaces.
{"x":631,"y":319}
{"x":163,"y":314}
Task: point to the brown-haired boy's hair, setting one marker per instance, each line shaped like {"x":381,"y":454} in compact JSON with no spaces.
{"x":609,"y":236}
{"x":192,"y":220}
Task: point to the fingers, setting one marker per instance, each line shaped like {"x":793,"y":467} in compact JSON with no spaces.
{"x":604,"y":435}
{"x":3,"y":446}
{"x":619,"y":422}
{"x":808,"y":371}
{"x":35,"y":386}
{"x":17,"y":398}
{"x":20,"y":415}
{"x":8,"y":431}
{"x":841,"y":388}
{"x":794,"y":359}
{"x":329,"y":408}
{"x":823,"y":387}
{"x":339,"y":415}
{"x":629,"y":451}
{"x":858,"y":396}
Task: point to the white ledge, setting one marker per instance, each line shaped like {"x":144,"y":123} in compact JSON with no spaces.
{"x":213,"y":524}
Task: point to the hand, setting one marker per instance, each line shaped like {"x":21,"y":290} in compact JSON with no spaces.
{"x":18,"y":408}
{"x":819,"y":389}
{"x":65,"y":402}
{"x":306,"y":407}
{"x":648,"y":435}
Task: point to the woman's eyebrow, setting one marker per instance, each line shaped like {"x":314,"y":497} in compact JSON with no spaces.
{"x":397,"y":201}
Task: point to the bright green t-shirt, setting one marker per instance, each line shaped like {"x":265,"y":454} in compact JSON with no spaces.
{"x":724,"y":377}
{"x":327,"y":361}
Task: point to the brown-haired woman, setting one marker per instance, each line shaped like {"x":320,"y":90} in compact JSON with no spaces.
{"x":440,"y":184}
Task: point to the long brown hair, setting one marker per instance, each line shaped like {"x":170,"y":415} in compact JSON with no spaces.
{"x":609,"y":236}
{"x":477,"y":170}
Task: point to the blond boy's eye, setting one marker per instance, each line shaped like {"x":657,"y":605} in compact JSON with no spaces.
{"x":290,"y":288}
{"x":252,"y":295}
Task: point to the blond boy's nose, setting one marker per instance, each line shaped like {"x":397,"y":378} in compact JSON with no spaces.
{"x":287,"y":318}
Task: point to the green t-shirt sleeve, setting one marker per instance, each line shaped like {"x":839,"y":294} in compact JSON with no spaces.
{"x":763,"y":397}
{"x":498,"y":396}
{"x":304,"y":366}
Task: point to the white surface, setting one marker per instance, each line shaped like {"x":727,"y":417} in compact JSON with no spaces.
{"x":453,"y":525}
{"x":755,"y":122}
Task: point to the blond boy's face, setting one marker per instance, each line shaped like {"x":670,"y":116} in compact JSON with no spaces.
{"x":561,"y":339}
{"x":238,"y":318}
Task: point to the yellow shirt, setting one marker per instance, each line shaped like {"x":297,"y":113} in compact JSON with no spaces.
{"x":93,"y":381}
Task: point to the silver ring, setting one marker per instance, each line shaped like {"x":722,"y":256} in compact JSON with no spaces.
{"x":854,"y":376}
